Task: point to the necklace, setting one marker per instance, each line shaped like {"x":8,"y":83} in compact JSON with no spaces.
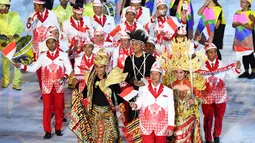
{"x":142,"y":65}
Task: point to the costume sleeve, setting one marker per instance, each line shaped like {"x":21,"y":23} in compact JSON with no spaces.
{"x":68,"y":67}
{"x":34,"y":66}
{"x":123,"y":18}
{"x":146,"y":15}
{"x":233,"y":73}
{"x":15,"y":26}
{"x":139,"y":99}
{"x":115,"y":57}
{"x":65,"y":31}
{"x":171,"y":111}
{"x":151,"y":24}
{"x":149,"y":62}
{"x":220,"y":16}
{"x":90,"y":26}
{"x":112,"y":24}
{"x":116,"y":89}
{"x":129,"y":69}
{"x":19,"y":25}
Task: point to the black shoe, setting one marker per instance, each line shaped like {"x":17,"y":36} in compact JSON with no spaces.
{"x":244,"y":75}
{"x":58,"y":133}
{"x":47,"y":135}
{"x":5,"y":86}
{"x":252,"y":75}
{"x":64,"y":120}
{"x":216,"y":140}
{"x":16,"y":88}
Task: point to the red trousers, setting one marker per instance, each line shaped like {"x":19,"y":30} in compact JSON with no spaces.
{"x":211,"y":111}
{"x":152,"y":138}
{"x":57,"y":99}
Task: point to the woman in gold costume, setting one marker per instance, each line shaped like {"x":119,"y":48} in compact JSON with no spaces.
{"x":186,"y":86}
{"x":187,"y":100}
{"x":96,"y":121}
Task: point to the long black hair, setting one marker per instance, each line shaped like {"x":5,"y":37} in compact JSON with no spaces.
{"x":216,"y":3}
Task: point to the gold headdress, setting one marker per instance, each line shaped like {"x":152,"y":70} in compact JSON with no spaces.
{"x":181,"y":58}
{"x":101,"y":58}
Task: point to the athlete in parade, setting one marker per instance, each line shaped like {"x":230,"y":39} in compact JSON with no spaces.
{"x":140,"y":69}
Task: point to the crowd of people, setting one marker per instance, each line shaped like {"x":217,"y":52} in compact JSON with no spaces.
{"x":151,"y":67}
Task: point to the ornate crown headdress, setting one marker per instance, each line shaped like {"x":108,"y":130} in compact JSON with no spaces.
{"x":181,"y":58}
{"x":101,"y":58}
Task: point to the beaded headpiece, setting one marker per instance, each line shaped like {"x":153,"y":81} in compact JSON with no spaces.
{"x":181,"y":58}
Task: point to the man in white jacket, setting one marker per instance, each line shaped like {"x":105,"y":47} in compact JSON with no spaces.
{"x":55,"y":67}
{"x":100,"y":19}
{"x":142,"y":13}
{"x":156,"y":105}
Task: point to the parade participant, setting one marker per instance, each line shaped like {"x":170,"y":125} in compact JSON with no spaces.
{"x":213,"y":20}
{"x":129,"y":26}
{"x":156,"y":104}
{"x":77,"y":26}
{"x":56,"y":68}
{"x":142,"y":13}
{"x":187,"y":88}
{"x":40,"y":20}
{"x":100,"y":19}
{"x":99,"y":43}
{"x":244,"y":38}
{"x":137,"y":66}
{"x":122,"y":51}
{"x":150,"y":48}
{"x":126,"y":3}
{"x":182,"y":37}
{"x":75,"y":29}
{"x":163,"y":32}
{"x":83,"y":63}
{"x":11,"y":26}
{"x":215,"y":95}
{"x":182,"y":9}
{"x":62,"y":44}
{"x":100,"y":101}
{"x":63,"y":11}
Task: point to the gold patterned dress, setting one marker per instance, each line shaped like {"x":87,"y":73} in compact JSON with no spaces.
{"x":187,"y":124}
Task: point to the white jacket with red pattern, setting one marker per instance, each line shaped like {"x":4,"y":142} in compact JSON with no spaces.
{"x":114,"y":34}
{"x":39,"y":27}
{"x":156,"y":114}
{"x":74,"y":32}
{"x":107,"y":23}
{"x":53,"y":68}
{"x":216,"y":91}
{"x":82,"y":65}
{"x":142,"y":16}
